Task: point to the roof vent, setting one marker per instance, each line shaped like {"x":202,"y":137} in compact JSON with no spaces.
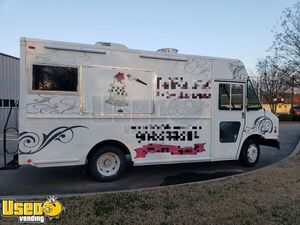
{"x":111,"y":45}
{"x":168,"y":50}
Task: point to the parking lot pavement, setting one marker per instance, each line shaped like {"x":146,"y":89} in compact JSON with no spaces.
{"x":29,"y":180}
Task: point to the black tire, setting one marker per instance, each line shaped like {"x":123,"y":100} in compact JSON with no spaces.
{"x":245,"y":157}
{"x":98,"y":172}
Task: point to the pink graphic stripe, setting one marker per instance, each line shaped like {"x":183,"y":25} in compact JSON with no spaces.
{"x":173,"y":149}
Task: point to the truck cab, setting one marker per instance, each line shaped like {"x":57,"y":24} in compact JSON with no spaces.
{"x":243,"y":123}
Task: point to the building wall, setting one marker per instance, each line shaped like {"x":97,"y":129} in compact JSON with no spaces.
{"x":282,"y":108}
{"x":284,"y":104}
{"x":9,"y":89}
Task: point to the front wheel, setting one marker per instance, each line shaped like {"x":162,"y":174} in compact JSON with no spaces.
{"x":107,"y":163}
{"x":250,"y":153}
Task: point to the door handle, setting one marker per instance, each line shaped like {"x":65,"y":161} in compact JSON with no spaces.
{"x":243,"y":115}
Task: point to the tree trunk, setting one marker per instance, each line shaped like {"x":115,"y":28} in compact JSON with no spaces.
{"x":273,"y":107}
{"x":292,"y":95}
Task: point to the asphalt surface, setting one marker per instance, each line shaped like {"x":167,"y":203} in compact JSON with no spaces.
{"x":29,"y":180}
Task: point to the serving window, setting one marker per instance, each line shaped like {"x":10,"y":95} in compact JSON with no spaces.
{"x":54,"y":78}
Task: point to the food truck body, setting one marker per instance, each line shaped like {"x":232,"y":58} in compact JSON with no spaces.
{"x":96,"y":104}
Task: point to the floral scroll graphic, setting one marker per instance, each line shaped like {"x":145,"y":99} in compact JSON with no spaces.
{"x":30,"y":142}
{"x":262,"y":125}
{"x":53,"y":105}
{"x":199,"y":68}
{"x":238,"y":70}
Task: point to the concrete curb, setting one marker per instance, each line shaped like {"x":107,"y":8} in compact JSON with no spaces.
{"x":26,"y":197}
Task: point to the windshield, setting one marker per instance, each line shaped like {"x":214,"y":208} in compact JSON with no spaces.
{"x":253,"y":101}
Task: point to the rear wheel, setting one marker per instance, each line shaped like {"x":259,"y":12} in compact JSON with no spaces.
{"x":107,"y":163}
{"x":250,"y":153}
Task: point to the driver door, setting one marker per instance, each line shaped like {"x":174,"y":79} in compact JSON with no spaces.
{"x":229,"y":119}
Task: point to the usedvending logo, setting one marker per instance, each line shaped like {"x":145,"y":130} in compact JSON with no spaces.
{"x":32,"y":211}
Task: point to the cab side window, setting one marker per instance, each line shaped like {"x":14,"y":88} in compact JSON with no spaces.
{"x":253,"y":102}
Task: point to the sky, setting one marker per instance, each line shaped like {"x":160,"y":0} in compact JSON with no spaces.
{"x":221,"y":28}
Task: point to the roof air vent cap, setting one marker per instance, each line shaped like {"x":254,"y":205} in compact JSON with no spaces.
{"x":168,"y":50}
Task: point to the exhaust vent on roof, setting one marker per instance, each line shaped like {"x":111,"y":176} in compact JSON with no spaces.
{"x":168,"y":50}
{"x":111,"y":45}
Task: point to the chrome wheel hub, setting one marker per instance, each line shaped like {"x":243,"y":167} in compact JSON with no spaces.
{"x":108,"y":164}
{"x":252,"y":153}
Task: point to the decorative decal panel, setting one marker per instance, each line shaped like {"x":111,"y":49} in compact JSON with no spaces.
{"x":261,"y":125}
{"x":117,"y":91}
{"x":31,"y":142}
{"x":199,"y":68}
{"x":238,"y":70}
{"x":68,"y":57}
{"x":53,"y":105}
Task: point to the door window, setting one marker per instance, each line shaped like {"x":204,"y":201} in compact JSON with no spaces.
{"x":224,"y":96}
{"x":229,"y":131}
{"x":231,"y":96}
{"x":237,"y":96}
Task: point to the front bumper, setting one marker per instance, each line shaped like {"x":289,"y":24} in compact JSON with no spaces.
{"x":271,"y":143}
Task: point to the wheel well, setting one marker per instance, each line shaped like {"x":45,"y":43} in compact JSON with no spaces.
{"x":255,"y":137}
{"x":260,"y":139}
{"x":106,"y":143}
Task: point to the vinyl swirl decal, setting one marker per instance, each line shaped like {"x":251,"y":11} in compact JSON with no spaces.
{"x":262,"y":125}
{"x":238,"y":70}
{"x":53,"y":105}
{"x":30,"y":142}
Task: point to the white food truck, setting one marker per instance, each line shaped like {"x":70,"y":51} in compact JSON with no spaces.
{"x":99,"y":104}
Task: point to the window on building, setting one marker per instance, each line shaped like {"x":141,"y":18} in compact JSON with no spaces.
{"x":54,"y":78}
{"x":13,"y":103}
{"x":6,"y":103}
